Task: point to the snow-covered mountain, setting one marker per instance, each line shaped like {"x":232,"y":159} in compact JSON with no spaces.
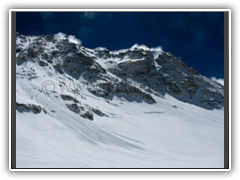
{"x":133,"y":108}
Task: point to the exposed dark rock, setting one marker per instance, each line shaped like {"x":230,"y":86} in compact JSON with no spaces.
{"x":173,"y":88}
{"x":33,"y":52}
{"x":58,"y":68}
{"x":18,"y":50}
{"x":107,"y":86}
{"x":36,"y":109}
{"x":118,"y":72}
{"x":23,"y":107}
{"x":28,"y":107}
{"x":98,"y":92}
{"x":74,"y":108}
{"x":67,"y":97}
{"x":49,"y":37}
{"x":148,"y":97}
{"x":87,"y":115}
{"x":21,"y":60}
{"x":82,"y":108}
{"x":98,"y":112}
{"x":95,"y":69}
{"x":42,"y":63}
{"x":47,"y":57}
{"x":44,"y":110}
{"x":189,"y":82}
{"x":55,"y":53}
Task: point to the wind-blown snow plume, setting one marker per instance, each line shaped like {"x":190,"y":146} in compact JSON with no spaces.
{"x":71,"y":38}
{"x":60,"y":35}
{"x":74,"y":40}
{"x":221,"y":81}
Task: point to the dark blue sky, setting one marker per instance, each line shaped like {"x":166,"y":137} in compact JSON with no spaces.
{"x":196,"y":37}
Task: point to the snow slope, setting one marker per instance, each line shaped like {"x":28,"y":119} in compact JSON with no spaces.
{"x":167,"y":134}
{"x":130,"y":132}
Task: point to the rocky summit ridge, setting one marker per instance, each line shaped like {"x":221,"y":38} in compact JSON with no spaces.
{"x":139,"y":72}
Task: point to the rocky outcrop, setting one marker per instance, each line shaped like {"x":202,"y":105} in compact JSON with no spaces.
{"x":42,"y":63}
{"x":36,"y":109}
{"x":74,"y":108}
{"x":87,"y":115}
{"x":138,"y":71}
{"x":98,"y":112}
{"x":104,"y":89}
{"x":21,"y":60}
{"x":84,"y":110}
{"x":58,"y":68}
{"x":67,"y":98}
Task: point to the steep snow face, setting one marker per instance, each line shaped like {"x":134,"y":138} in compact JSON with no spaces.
{"x":133,"y":108}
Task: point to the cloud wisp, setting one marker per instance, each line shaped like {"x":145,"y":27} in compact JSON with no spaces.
{"x":74,"y":40}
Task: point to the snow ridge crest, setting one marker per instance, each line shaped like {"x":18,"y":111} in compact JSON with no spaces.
{"x":139,"y":71}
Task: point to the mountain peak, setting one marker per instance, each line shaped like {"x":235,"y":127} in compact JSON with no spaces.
{"x":113,"y":109}
{"x":146,"y":71}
